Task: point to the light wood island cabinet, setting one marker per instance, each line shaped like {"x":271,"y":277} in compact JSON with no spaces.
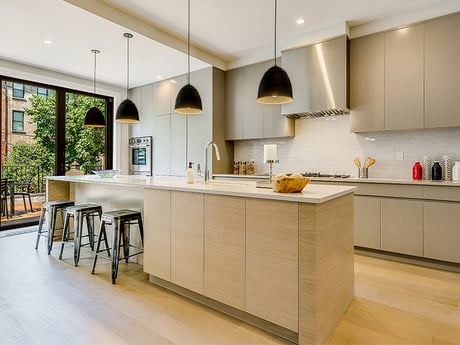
{"x":283,"y":262}
{"x":224,"y":249}
{"x":158,"y":202}
{"x":272,"y":261}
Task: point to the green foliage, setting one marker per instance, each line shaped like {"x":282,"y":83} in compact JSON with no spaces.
{"x":82,"y":144}
{"x":27,"y":160}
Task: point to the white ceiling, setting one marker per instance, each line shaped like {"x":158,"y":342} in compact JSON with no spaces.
{"x":223,"y":32}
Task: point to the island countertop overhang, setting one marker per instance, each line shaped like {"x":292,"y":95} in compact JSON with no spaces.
{"x":312,"y":193}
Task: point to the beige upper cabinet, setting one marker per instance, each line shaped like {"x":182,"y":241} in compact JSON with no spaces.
{"x":245,"y":118}
{"x":442,"y":72}
{"x":404,"y":78}
{"x":367,"y":83}
{"x":234,"y":104}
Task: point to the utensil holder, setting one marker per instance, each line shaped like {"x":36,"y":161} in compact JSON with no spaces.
{"x":363,"y":172}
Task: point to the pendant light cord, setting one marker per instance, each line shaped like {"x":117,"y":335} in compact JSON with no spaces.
{"x":127,"y":65}
{"x":276,"y":10}
{"x":188,"y":44}
{"x":94,"y":74}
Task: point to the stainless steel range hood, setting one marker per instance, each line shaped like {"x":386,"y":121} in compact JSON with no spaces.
{"x":319,"y":77}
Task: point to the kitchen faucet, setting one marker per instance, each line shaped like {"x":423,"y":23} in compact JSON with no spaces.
{"x":206,"y":171}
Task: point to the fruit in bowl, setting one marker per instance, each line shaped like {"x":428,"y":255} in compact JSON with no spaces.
{"x":289,"y":183}
{"x":107,"y":173}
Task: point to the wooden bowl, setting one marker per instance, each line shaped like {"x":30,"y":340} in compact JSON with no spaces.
{"x":288,"y":184}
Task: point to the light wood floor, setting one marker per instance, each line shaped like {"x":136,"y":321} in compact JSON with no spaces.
{"x":47,"y":301}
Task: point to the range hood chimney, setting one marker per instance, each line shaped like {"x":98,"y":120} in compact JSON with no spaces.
{"x":320,"y":79}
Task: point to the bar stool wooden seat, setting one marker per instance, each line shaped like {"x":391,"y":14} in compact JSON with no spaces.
{"x":80,"y":213}
{"x":49,"y":212}
{"x":121,"y":221}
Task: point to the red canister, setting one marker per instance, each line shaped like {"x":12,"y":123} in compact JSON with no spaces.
{"x":417,"y":173}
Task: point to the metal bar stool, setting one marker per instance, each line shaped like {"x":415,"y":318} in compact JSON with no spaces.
{"x":79,"y":213}
{"x":121,"y":221}
{"x":51,"y":207}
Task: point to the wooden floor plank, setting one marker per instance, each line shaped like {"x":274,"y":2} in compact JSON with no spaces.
{"x":44,"y":300}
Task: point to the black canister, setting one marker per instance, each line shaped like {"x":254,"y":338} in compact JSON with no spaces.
{"x":436,"y":172}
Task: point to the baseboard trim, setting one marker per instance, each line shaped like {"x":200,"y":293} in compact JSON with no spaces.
{"x":268,"y":326}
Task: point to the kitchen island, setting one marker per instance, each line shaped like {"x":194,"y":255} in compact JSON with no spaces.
{"x":283,"y":262}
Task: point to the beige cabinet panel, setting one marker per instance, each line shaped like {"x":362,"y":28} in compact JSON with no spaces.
{"x":253,"y":118}
{"x":162,"y":97}
{"x":404,"y":78}
{"x":178,"y":145}
{"x":234,"y":104}
{"x":442,"y":72}
{"x":367,"y":222}
{"x":272,"y":261}
{"x":224,"y":249}
{"x":162,"y":145}
{"x":367,"y":83}
{"x":295,"y":63}
{"x":402,"y":226}
{"x":187,"y":240}
{"x":245,"y":118}
{"x":157,"y":233}
{"x":442,"y":230}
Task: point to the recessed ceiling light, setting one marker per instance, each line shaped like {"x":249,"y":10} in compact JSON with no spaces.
{"x":159,"y":77}
{"x":300,"y":21}
{"x":48,"y":42}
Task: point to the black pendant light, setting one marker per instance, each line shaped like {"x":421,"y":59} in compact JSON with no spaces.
{"x":127,"y":111}
{"x":188,"y":100}
{"x":275,"y":86}
{"x":94,"y":117}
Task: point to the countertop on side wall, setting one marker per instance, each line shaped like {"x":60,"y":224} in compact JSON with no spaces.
{"x":312,"y":193}
{"x":352,"y":180}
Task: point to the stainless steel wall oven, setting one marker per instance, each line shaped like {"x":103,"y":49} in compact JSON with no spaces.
{"x":141,"y":156}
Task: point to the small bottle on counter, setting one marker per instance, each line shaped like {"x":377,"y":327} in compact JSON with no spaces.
{"x":436,"y":172}
{"x":456,"y":171}
{"x":236,"y":167}
{"x":190,"y":174}
{"x":417,"y":171}
{"x":243,"y":168}
{"x":250,"y":167}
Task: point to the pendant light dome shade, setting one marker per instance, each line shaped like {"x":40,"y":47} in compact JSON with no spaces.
{"x":188,"y":101}
{"x":94,"y":118}
{"x":275,"y":87}
{"x":127,"y":112}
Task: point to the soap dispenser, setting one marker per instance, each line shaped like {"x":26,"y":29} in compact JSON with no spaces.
{"x":190,"y":173}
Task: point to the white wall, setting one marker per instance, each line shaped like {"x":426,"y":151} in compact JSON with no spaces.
{"x":326,"y":145}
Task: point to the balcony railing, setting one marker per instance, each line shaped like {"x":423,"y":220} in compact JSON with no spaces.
{"x":19,"y":172}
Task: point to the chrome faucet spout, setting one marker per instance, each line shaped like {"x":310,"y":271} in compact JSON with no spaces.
{"x":216,"y":149}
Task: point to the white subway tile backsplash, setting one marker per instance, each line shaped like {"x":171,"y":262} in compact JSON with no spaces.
{"x":327,"y":145}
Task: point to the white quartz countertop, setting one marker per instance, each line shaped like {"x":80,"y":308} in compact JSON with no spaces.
{"x":312,"y":193}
